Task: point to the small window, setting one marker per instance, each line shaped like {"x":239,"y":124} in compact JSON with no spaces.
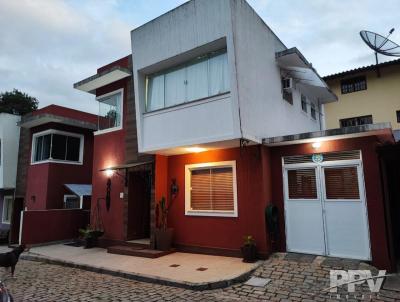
{"x":72,"y":202}
{"x":57,"y":146}
{"x":110,"y":111}
{"x":286,"y":90}
{"x":210,"y":189}
{"x":7,"y":209}
{"x":398,"y":116}
{"x":356,"y":121}
{"x":302,"y":184}
{"x":313,"y":112}
{"x":353,"y":84}
{"x":304,"y":103}
{"x":341,"y":183}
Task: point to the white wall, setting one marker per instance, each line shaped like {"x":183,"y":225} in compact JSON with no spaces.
{"x":171,"y":39}
{"x":195,"y":28}
{"x":263,"y":111}
{"x":9,"y":136}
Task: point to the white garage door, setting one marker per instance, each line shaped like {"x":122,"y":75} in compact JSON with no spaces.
{"x":325,"y":207}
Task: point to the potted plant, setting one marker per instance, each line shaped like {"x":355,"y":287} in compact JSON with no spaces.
{"x":90,"y":236}
{"x":163,"y":234}
{"x":249,"y":249}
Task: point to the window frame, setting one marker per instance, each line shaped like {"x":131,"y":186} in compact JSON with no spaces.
{"x":352,"y":81}
{"x":357,"y":119}
{"x":213,"y":213}
{"x":303,"y":101}
{"x":50,"y":160}
{"x":106,"y":95}
{"x":207,"y":56}
{"x":72,"y":195}
{"x":3,"y":220}
{"x":398,"y":116}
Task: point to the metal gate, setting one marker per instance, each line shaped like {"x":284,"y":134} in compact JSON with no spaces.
{"x":325,"y":205}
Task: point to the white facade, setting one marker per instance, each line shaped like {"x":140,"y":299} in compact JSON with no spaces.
{"x":252,"y":109}
{"x":9,"y":139}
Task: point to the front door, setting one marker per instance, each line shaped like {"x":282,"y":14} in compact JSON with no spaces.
{"x":325,"y":208}
{"x":139,"y":195}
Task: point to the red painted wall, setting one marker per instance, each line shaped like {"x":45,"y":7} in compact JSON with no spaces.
{"x":375,"y":202}
{"x":52,"y":225}
{"x":67,"y":112}
{"x":109,"y":150}
{"x":45,"y":181}
{"x":253,"y":189}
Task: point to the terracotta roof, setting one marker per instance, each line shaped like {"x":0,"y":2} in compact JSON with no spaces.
{"x":361,"y":69}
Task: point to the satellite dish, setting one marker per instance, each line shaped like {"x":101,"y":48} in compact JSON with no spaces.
{"x":380,"y":44}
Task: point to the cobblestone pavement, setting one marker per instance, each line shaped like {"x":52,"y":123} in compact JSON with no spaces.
{"x":293,"y":278}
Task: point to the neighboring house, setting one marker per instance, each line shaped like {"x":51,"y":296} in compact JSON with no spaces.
{"x":365,"y":97}
{"x":126,"y":215}
{"x":58,"y":172}
{"x":220,"y":101}
{"x":9,"y":139}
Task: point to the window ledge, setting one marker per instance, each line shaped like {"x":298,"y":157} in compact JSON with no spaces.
{"x":108,"y":130}
{"x":188,"y":104}
{"x":49,"y":161}
{"x":212,"y":213}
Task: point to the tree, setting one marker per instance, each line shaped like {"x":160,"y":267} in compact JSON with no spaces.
{"x":17,"y":102}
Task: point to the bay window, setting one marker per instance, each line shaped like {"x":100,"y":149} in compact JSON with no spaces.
{"x":210,"y":189}
{"x":203,"y":77}
{"x":57,"y":146}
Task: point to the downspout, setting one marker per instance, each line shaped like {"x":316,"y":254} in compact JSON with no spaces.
{"x":235,"y":66}
{"x":320,"y":114}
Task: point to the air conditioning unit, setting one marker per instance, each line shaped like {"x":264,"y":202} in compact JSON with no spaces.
{"x":287,"y":84}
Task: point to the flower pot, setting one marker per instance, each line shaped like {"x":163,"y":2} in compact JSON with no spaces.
{"x":163,"y":239}
{"x":90,"y":242}
{"x":249,"y":253}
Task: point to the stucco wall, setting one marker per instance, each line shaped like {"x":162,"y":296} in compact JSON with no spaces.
{"x":9,"y":139}
{"x":46,"y":181}
{"x":381,"y":99}
{"x":220,"y":233}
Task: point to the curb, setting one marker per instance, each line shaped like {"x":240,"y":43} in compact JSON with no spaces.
{"x":146,"y":278}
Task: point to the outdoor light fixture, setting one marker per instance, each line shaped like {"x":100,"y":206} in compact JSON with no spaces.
{"x":108,"y":194}
{"x":174,"y":188}
{"x":109,"y":172}
{"x":196,"y":149}
{"x":316,"y":145}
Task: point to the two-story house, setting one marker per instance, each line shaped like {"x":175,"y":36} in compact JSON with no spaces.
{"x":236,"y":121}
{"x":365,"y":97}
{"x":9,"y":139}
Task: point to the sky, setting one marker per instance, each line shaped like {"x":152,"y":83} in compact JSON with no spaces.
{"x":47,"y":45}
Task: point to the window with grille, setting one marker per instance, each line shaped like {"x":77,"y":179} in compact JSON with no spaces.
{"x":356,"y":121}
{"x":353,"y":84}
{"x":211,"y":189}
{"x":302,"y":184}
{"x":57,"y":146}
{"x":304,"y":103}
{"x":341,"y":183}
{"x":313,"y":112}
{"x":7,"y":209}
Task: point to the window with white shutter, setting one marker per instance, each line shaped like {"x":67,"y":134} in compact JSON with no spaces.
{"x":210,"y":189}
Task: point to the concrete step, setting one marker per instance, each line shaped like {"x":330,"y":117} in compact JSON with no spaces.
{"x":136,"y":251}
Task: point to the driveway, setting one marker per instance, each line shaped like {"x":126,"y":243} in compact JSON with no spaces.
{"x":293,"y":278}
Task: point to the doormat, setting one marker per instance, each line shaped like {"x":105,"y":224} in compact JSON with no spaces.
{"x":74,"y":243}
{"x":304,"y":258}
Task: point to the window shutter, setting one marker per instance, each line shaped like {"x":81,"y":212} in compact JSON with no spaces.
{"x":222,"y":189}
{"x":341,"y":183}
{"x":302,"y":184}
{"x":212,"y":189}
{"x":200,"y":190}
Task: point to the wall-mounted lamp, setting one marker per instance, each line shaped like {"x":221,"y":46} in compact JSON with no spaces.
{"x":174,"y":188}
{"x":108,"y":194}
{"x":109,"y":172}
{"x":316,"y":145}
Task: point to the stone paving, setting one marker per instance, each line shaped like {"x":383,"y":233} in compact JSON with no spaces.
{"x":293,"y":278}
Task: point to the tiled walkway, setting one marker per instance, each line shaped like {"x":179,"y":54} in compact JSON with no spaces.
{"x":293,"y":278}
